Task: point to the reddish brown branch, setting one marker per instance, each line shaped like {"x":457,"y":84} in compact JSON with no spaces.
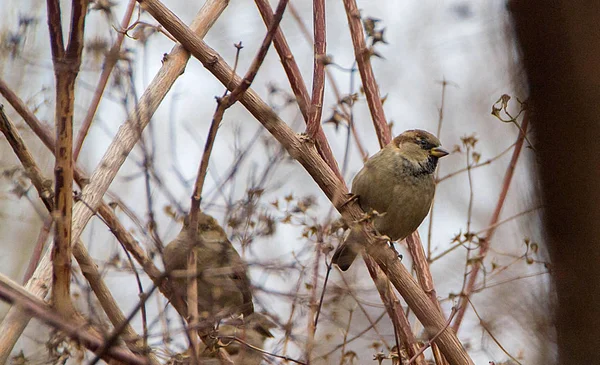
{"x":66,"y":67}
{"x":55,"y":29}
{"x":260,"y":56}
{"x":484,"y":244}
{"x":297,"y":84}
{"x":363,"y":61}
{"x":226,"y":102}
{"x":404,"y":336}
{"x":40,"y":129}
{"x":318,"y":84}
{"x":333,"y":84}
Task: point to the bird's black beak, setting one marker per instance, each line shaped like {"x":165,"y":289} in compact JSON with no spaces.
{"x":438,"y":152}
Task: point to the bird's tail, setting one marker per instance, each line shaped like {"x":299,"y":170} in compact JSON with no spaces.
{"x":346,"y":253}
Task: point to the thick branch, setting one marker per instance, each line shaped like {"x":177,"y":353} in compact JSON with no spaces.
{"x":13,"y":293}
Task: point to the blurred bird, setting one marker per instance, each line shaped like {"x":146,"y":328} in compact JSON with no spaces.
{"x":223,"y":284}
{"x":252,"y":330}
{"x":397,"y":183}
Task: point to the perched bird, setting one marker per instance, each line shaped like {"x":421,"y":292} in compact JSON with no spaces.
{"x":397,"y":183}
{"x":223,"y":284}
{"x":252,"y":330}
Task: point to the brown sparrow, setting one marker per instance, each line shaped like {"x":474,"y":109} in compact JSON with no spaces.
{"x":223,"y":284}
{"x":397,"y":183}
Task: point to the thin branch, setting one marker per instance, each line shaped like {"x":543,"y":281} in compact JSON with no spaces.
{"x":485,"y":327}
{"x":485,"y":242}
{"x":484,"y":163}
{"x":314,"y":307}
{"x":258,"y":349}
{"x":357,"y":336}
{"x":432,"y":340}
{"x":43,"y":186}
{"x":437,"y":171}
{"x":333,"y":84}
{"x":66,"y":67}
{"x":226,"y":102}
{"x":110,"y":60}
{"x":38,"y":250}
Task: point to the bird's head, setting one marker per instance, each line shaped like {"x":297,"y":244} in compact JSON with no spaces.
{"x":207,"y":226}
{"x":420,"y":148}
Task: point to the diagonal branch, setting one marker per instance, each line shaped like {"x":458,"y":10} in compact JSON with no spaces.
{"x":13,"y":293}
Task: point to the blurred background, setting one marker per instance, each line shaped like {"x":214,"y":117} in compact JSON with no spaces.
{"x":443,"y":66}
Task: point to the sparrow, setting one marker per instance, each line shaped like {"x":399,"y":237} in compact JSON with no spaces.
{"x":223,"y":285}
{"x":396,"y":188}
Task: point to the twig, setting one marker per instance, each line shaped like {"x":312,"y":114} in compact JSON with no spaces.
{"x":485,"y":327}
{"x":357,"y":336}
{"x":346,"y":332}
{"x":484,"y":163}
{"x":437,"y":171}
{"x":322,"y":298}
{"x":485,"y":243}
{"x":110,"y":60}
{"x":432,"y":340}
{"x":314,"y":307}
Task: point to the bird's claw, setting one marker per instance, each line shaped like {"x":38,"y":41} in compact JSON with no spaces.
{"x":349,"y":199}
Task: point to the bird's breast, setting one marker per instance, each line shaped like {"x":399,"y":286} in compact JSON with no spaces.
{"x":404,"y":198}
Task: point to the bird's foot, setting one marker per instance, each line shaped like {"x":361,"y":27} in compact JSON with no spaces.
{"x":399,"y":255}
{"x":349,"y":199}
{"x":383,"y":237}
